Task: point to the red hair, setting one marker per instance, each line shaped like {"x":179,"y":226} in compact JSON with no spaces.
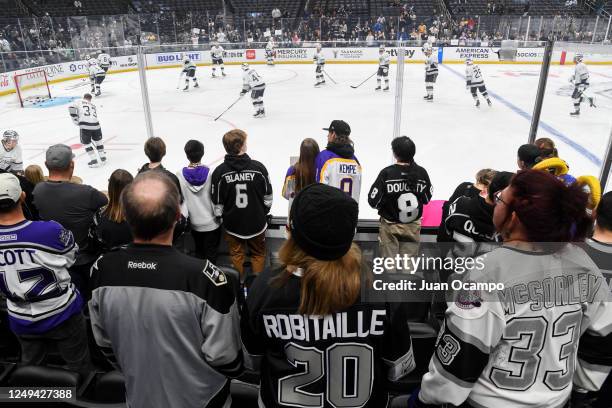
{"x":549,"y":210}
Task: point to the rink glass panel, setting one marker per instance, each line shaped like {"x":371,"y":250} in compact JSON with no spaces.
{"x":295,"y":108}
{"x":582,"y":140}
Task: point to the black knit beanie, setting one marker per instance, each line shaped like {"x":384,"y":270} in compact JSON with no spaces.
{"x":323,"y":221}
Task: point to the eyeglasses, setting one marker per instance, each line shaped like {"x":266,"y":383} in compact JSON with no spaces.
{"x":498,"y":198}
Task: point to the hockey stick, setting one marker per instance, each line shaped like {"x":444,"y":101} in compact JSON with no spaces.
{"x":364,"y":81}
{"x":228,"y":108}
{"x":332,"y":79}
{"x":180,"y":79}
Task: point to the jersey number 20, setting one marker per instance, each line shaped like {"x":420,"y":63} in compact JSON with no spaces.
{"x":348,"y":369}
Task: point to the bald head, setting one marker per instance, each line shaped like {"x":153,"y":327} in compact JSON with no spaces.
{"x":151,"y":204}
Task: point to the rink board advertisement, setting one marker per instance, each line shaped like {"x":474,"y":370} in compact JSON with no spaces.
{"x":334,"y":55}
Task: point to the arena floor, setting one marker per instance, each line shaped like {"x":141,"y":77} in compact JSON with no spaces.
{"x":454,"y":139}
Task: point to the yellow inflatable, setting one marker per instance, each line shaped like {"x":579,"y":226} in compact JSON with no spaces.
{"x":594,"y":189}
{"x":559,"y":166}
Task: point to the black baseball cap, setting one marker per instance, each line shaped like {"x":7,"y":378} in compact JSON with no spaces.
{"x":340,"y":127}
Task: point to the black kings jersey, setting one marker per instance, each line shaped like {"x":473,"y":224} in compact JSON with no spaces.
{"x":399,"y":193}
{"x":242,"y":195}
{"x":339,"y":360}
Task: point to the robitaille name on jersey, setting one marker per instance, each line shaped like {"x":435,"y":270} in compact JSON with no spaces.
{"x":244,"y":176}
{"x":313,"y":328}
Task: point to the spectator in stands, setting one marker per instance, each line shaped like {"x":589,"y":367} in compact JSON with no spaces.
{"x":195,"y":186}
{"x":302,"y":173}
{"x":527,"y":156}
{"x":399,"y":194}
{"x":337,"y":165}
{"x":34,"y":174}
{"x":470,"y":219}
{"x":109,"y":228}
{"x":72,"y":205}
{"x":44,"y":306}
{"x":323,"y":290}
{"x":547,"y":148}
{"x":537,"y":217}
{"x":599,"y":248}
{"x":155,"y":150}
{"x":242,"y":197}
{"x":171,"y":319}
{"x":276,"y":13}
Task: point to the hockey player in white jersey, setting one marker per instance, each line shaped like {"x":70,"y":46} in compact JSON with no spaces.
{"x":431,"y":71}
{"x":580,"y":79}
{"x":10,"y":152}
{"x":189,"y":70}
{"x":319,"y":60}
{"x":475,"y":82}
{"x":104,"y":60}
{"x":96,"y":76}
{"x":85,"y":116}
{"x":252,"y":81}
{"x":270,"y":52}
{"x":216,"y":53}
{"x":383,"y":68}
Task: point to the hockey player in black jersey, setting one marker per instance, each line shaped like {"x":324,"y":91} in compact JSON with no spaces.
{"x":399,"y":193}
{"x":242,"y":196}
{"x":316,"y":342}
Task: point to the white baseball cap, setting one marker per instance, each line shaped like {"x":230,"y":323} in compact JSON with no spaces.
{"x":9,"y":187}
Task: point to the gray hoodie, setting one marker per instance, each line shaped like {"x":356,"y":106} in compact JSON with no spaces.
{"x":195,"y":186}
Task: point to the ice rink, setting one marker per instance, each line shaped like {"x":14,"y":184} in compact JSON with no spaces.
{"x":454,"y":139}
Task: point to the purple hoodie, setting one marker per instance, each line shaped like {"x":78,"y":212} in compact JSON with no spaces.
{"x":196,"y":177}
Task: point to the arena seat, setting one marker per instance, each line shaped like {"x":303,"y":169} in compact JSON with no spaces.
{"x":40,"y":376}
{"x":110,"y":388}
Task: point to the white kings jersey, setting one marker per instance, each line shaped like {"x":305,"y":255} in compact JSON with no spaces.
{"x":384,"y":59}
{"x":11,"y":160}
{"x":217,"y":52}
{"x":581,"y":74}
{"x":84,"y":115}
{"x":270,"y":46}
{"x":95,"y":71}
{"x":188,"y":64}
{"x":473,"y":76}
{"x":252,"y":80}
{"x":431,"y":64}
{"x":318,"y":58}
{"x":527,"y":344}
{"x":104,"y":60}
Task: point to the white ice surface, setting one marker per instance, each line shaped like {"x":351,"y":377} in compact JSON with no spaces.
{"x":454,"y":139}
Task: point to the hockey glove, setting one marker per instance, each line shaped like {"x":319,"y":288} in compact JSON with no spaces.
{"x":243,"y":92}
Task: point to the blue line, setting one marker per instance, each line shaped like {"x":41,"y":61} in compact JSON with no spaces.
{"x":565,"y":139}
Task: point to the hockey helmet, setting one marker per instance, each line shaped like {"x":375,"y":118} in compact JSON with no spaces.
{"x":245,"y":66}
{"x":381,"y":48}
{"x":578,"y":57}
{"x":10,"y":135}
{"x":318,"y":46}
{"x":469,"y":61}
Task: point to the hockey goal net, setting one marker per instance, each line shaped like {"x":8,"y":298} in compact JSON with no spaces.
{"x":32,"y":87}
